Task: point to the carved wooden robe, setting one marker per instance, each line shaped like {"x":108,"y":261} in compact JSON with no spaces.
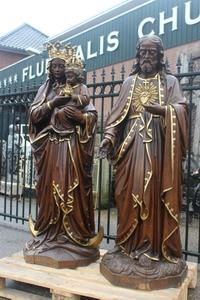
{"x":63,"y":152}
{"x":148,"y":151}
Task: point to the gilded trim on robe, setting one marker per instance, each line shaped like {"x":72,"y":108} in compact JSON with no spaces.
{"x":125,"y":143}
{"x":135,"y":222}
{"x":85,"y":132}
{"x":170,"y":209}
{"x":127,"y":105}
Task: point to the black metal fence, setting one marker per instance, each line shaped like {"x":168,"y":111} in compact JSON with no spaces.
{"x":17,"y":193}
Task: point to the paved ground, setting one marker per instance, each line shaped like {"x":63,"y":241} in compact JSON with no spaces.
{"x":13,"y":237}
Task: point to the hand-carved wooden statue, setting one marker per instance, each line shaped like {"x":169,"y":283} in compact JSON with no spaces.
{"x":62,"y":127}
{"x":145,"y":138}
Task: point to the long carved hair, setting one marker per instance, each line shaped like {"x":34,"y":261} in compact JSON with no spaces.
{"x":161,"y":67}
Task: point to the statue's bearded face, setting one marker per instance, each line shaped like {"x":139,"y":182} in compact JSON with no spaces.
{"x":148,"y":57}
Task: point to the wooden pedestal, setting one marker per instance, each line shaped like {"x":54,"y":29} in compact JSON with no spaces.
{"x":68,"y":284}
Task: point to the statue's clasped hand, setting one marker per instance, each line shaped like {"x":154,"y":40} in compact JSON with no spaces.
{"x":75,"y":114}
{"x":155,"y":109}
{"x":59,"y":100}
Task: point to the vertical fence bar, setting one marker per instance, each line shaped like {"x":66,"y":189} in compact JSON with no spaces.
{"x":12,"y":134}
{"x":110,"y":173}
{"x":178,"y":65}
{"x":19,"y":155}
{"x":24,"y":167}
{"x":189,"y":156}
{"x":94,"y":88}
{"x":100,"y":160}
{"x":7,"y":157}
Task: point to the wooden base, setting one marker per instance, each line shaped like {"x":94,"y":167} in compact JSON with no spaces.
{"x":85,"y":281}
{"x":132,"y":282}
{"x":59,"y":258}
{"x":143,"y":274}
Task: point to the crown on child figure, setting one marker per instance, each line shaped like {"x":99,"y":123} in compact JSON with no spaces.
{"x":67,"y":53}
{"x":73,"y":61}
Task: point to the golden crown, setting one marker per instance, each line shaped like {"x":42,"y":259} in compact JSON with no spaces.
{"x":73,"y":61}
{"x":67,"y":53}
{"x":56,"y":51}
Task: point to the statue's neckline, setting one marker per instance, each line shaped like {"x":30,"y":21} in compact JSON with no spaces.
{"x":148,"y":78}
